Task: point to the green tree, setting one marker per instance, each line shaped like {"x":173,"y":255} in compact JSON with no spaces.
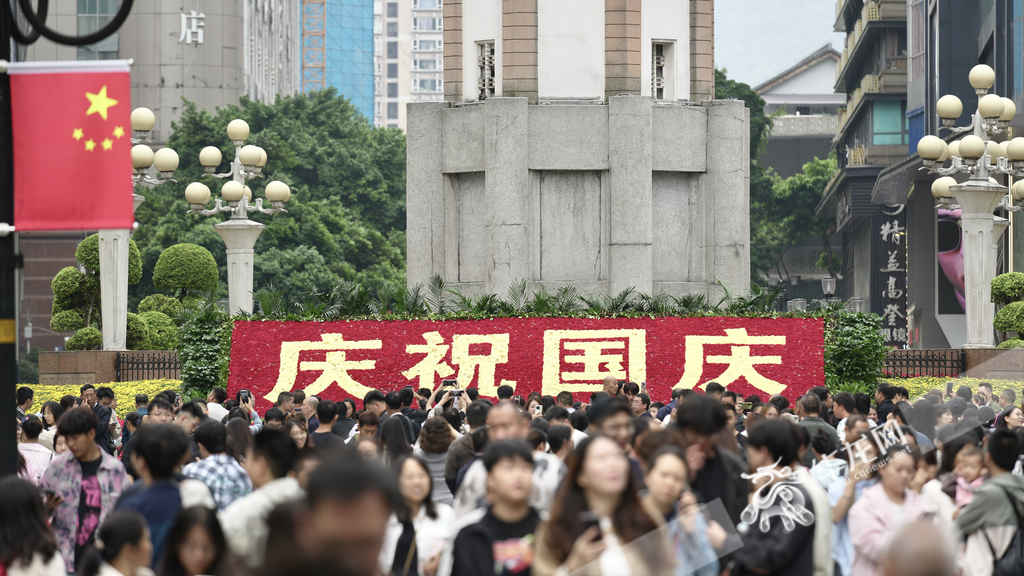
{"x":348,"y":192}
{"x":185,"y":267}
{"x":792,"y":210}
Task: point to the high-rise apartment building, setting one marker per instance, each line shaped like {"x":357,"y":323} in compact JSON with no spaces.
{"x":337,"y":49}
{"x":408,"y":38}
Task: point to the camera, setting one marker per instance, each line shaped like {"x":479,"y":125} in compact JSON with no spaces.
{"x":243,"y":396}
{"x":449,"y":382}
{"x":457,"y":393}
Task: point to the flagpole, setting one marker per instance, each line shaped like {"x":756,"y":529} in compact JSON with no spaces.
{"x":10,"y":259}
{"x":8,"y":304}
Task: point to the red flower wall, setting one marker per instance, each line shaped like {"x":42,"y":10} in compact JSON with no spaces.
{"x":338,"y":360}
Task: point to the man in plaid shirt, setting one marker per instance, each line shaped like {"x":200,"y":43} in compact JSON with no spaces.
{"x":225,"y":477}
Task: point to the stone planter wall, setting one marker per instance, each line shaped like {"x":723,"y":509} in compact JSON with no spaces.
{"x":996,"y":364}
{"x":77,"y":367}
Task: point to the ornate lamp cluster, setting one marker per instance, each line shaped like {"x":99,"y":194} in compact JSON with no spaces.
{"x":248,"y":164}
{"x":975,"y":154}
{"x":165,"y":159}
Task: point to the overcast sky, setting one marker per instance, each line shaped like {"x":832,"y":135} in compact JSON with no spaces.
{"x":757,"y":39}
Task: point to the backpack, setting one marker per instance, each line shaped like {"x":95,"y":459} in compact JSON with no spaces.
{"x":1012,"y":561}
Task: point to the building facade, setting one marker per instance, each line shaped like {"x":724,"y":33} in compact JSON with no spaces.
{"x":408,"y":38}
{"x":337,"y":49}
{"x":210,"y":52}
{"x":579,"y":144}
{"x":872,"y":133}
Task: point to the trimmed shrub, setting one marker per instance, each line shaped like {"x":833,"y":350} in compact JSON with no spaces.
{"x":66,"y":320}
{"x":161,"y":303}
{"x":67,"y":283}
{"x":185,"y":267}
{"x":163,"y":333}
{"x":88,"y":255}
{"x":1011,"y":343}
{"x":137,"y":336}
{"x":1009,"y":318}
{"x":87,"y":338}
{"x":1008,"y":288}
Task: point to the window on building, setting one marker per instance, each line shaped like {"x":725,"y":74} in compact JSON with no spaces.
{"x":426,"y":4}
{"x":376,"y":86}
{"x":485,"y":68}
{"x":376,"y":46}
{"x":392,"y":29}
{"x":378,"y":68}
{"x":803,"y":110}
{"x":658,"y":50}
{"x":378,"y":8}
{"x":93,"y":15}
{"x":426,"y":85}
{"x":427,"y":24}
{"x":889,"y":123}
{"x":392,"y":110}
{"x":376,"y":108}
{"x":393,"y":50}
{"x":426,"y":45}
{"x":377,"y":26}
{"x":392,"y":125}
{"x":392,"y":89}
{"x":392,"y":9}
{"x":393,"y":70}
{"x":427,"y":64}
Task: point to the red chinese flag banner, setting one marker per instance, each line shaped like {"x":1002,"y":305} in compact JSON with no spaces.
{"x":72,"y":145}
{"x":338,"y":360}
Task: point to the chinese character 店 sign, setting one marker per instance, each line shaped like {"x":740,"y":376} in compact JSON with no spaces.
{"x":339,"y":360}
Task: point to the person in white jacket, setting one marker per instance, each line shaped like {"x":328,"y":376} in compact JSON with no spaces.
{"x":420,"y":529}
{"x":244,"y":521}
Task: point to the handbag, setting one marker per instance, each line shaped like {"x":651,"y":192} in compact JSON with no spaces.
{"x":1011,"y":563}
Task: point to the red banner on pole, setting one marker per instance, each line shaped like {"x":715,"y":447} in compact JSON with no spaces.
{"x":337,"y":360}
{"x":72,"y":145}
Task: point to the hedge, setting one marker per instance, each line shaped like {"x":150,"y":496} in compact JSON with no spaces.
{"x":125,"y":392}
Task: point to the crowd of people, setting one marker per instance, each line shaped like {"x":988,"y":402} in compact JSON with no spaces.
{"x":446,"y":483}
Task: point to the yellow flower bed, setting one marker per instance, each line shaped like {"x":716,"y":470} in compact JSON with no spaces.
{"x":125,"y":392}
{"x":920,"y":385}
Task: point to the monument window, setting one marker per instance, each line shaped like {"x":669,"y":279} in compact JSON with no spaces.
{"x":485,"y":66}
{"x":660,"y":82}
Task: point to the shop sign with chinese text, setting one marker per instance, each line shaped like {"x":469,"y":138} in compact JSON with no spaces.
{"x":337,"y":360}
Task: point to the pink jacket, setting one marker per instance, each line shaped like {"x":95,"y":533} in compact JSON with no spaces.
{"x":873,"y":521}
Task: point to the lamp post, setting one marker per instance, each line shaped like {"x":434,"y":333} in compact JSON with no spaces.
{"x":977,"y":198}
{"x":828,"y":287}
{"x":113,"y":243}
{"x":238,"y":232}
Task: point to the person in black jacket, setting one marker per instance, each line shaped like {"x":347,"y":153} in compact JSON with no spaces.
{"x":884,"y":400}
{"x":780,"y":541}
{"x":506,"y":527}
{"x":102,"y":413}
{"x":718,"y":471}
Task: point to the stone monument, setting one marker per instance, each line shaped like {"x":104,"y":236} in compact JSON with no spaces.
{"x":579,"y":143}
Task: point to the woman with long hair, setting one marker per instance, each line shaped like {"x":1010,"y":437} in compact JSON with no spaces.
{"x":598,"y":517}
{"x":924,"y":418}
{"x":68,"y":402}
{"x":239,"y":438}
{"x":296,"y":428}
{"x":396,"y":443}
{"x":51,"y":413}
{"x":419,"y":528}
{"x":196,"y":545}
{"x":436,"y":437}
{"x":27,"y":546}
{"x":122,"y":547}
{"x":1011,"y":417}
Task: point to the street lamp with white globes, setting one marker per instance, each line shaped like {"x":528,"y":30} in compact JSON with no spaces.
{"x":238,"y":232}
{"x":979,"y":157}
{"x":113,"y":243}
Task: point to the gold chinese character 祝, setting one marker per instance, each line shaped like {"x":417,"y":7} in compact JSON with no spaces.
{"x":597,"y":353}
{"x":334,"y":368}
{"x":468,"y":363}
{"x":740,"y":363}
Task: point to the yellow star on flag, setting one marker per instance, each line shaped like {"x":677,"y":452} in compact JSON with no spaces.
{"x":98,"y":103}
{"x":90,"y":145}
{"x":77,"y":134}
{"x":107,"y":144}
{"x":118,"y":131}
